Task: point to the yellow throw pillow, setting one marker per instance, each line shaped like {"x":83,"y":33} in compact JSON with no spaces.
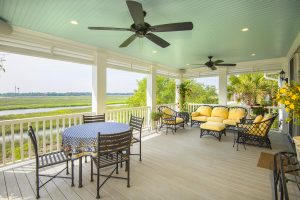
{"x":204,"y":111}
{"x":195,"y":114}
{"x":167,"y":113}
{"x":266,"y":117}
{"x":220,"y":112}
{"x":258,"y":119}
{"x":236,"y":113}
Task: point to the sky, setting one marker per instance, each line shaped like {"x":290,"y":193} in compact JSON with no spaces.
{"x":32,"y":74}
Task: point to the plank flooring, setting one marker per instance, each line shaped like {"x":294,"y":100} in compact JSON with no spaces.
{"x":175,"y":166}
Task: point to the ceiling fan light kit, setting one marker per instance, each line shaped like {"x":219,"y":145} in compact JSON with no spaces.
{"x":142,"y":29}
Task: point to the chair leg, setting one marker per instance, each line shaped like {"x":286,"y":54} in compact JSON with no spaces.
{"x":92,"y":171}
{"x":128,"y":173}
{"x":37,"y":183}
{"x":117,"y":164}
{"x":98,"y":183}
{"x":85,"y":159}
{"x":67,"y":171}
{"x":140,"y":149}
{"x":72,"y":171}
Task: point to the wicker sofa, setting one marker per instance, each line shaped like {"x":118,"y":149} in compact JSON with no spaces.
{"x":229,"y":116}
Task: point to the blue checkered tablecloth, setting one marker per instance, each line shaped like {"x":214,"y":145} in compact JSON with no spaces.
{"x":81,"y":139}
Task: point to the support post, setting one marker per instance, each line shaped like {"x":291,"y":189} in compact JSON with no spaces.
{"x":222,"y":86}
{"x":177,"y":96}
{"x":99,"y":84}
{"x":151,"y":93}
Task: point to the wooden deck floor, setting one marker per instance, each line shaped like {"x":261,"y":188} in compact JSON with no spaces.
{"x":179,"y":166}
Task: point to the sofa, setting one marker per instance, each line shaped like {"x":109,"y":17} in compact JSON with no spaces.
{"x":229,"y":116}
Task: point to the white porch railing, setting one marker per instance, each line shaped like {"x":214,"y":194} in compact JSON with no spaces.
{"x":16,"y":145}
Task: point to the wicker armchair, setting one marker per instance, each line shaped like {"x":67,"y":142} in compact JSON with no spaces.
{"x":170,"y":119}
{"x":255,"y":133}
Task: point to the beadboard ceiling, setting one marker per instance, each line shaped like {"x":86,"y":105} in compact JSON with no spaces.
{"x":273,"y":26}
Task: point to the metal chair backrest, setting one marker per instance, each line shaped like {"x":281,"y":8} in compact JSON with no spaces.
{"x":111,"y":143}
{"x":136,"y":123}
{"x":162,"y":109}
{"x":93,"y":118}
{"x":33,"y":141}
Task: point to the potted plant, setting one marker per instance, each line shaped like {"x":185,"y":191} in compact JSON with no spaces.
{"x":155,"y":117}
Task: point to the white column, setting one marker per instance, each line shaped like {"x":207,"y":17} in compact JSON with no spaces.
{"x":151,"y":91}
{"x":222,"y":86}
{"x":99,"y":84}
{"x":177,"y":96}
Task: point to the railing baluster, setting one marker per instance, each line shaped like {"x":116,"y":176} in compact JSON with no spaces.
{"x":21,"y":141}
{"x":3,"y":145}
{"x":75,"y":121}
{"x":70,"y":122}
{"x":63,"y":124}
{"x":57,"y":134}
{"x":29,"y":142}
{"x":80,"y":119}
{"x":12,"y":140}
{"x":44,"y":137}
{"x":51,"y":135}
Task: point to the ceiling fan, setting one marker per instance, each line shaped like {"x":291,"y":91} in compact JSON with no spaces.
{"x":212,"y":64}
{"x":143,"y":29}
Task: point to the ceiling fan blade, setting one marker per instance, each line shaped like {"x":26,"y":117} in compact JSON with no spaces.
{"x":225,"y":64}
{"x":136,"y":12}
{"x":213,"y":67}
{"x":157,"y":40}
{"x":109,"y":29}
{"x":128,"y":41}
{"x":181,"y":26}
{"x":198,"y":64}
{"x":218,"y":61}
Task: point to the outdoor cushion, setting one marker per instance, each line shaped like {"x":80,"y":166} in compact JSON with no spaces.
{"x":231,"y":122}
{"x":264,"y":125}
{"x":167,"y":113}
{"x":266,"y":117}
{"x":215,"y":119}
{"x":178,"y":121}
{"x":236,"y":113}
{"x":258,"y":119}
{"x":220,"y":112}
{"x":195,"y":114}
{"x":204,"y":111}
{"x":200,"y":118}
{"x":214,"y":126}
{"x":251,"y":129}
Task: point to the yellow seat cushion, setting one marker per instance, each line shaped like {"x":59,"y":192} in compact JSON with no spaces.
{"x":215,"y":119}
{"x":215,"y":126}
{"x":178,"y":121}
{"x":204,"y":110}
{"x":231,"y":122}
{"x":236,"y":113}
{"x":195,"y":114}
{"x":200,"y":118}
{"x":167,"y":113}
{"x":220,"y":112}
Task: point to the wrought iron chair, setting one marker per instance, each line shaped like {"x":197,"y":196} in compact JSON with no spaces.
{"x":255,"y":133}
{"x":170,"y":119}
{"x":50,"y":159}
{"x":111,"y":150}
{"x":92,"y":119}
{"x":137,"y":123}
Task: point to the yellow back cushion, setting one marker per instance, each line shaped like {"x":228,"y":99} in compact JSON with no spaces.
{"x":220,"y":112}
{"x":204,"y":111}
{"x":236,"y":113}
{"x":258,"y":119}
{"x":167,"y":112}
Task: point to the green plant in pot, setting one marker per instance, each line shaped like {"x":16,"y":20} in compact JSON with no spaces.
{"x":155,"y":116}
{"x":184,"y":91}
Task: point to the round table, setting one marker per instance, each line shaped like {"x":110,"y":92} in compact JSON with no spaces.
{"x":81,"y":139}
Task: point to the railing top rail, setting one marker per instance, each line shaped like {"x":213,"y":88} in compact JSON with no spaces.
{"x":33,"y":119}
{"x":125,"y":109}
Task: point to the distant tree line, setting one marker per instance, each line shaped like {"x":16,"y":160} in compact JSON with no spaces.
{"x":40,"y":94}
